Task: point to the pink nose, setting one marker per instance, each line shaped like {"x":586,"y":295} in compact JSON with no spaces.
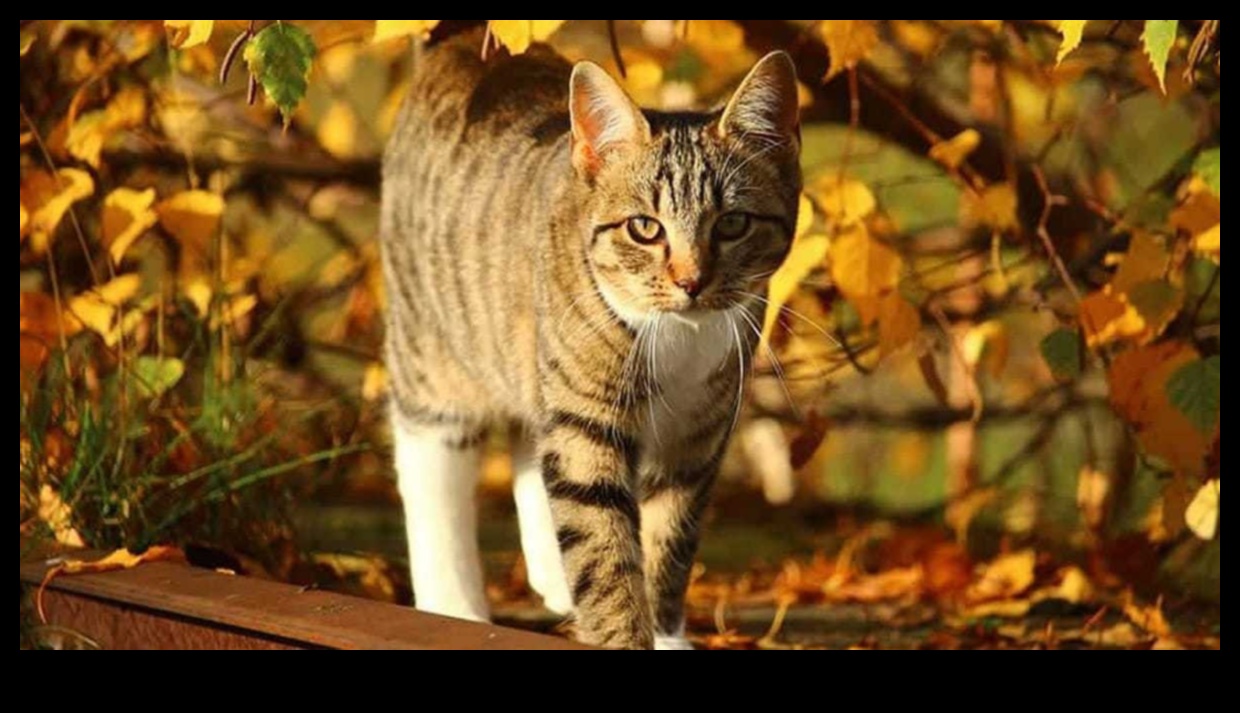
{"x":691,"y":285}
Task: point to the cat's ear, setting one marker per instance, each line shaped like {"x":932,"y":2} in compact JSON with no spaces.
{"x":604,"y":119}
{"x":767,"y":103}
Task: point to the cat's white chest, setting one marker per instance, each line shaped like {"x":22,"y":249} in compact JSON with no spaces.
{"x":683,"y":359}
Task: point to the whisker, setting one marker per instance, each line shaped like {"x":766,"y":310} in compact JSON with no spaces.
{"x":830,"y":337}
{"x":775,"y":363}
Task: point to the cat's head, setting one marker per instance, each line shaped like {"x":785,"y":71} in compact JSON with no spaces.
{"x":689,"y":213}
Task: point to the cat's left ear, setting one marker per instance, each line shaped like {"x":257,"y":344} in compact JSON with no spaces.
{"x":766,"y":104}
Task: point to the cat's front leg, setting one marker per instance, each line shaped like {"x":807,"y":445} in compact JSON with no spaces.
{"x":588,"y":468}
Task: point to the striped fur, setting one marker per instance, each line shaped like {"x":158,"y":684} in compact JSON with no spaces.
{"x":518,"y":295}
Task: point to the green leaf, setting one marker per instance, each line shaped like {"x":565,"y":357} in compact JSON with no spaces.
{"x":1159,"y":38}
{"x":1208,"y":166}
{"x":153,"y":377}
{"x":1196,"y":390}
{"x":280,"y":58}
{"x":1073,"y":32}
{"x":1062,"y":352}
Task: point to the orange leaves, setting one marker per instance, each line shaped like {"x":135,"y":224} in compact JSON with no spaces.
{"x":1139,"y":303}
{"x":89,"y":133}
{"x":49,"y":198}
{"x":192,"y":217}
{"x":100,"y":310}
{"x":118,"y":560}
{"x":899,"y":323}
{"x":127,"y":215}
{"x":184,"y":34}
{"x":850,"y":42}
{"x":1138,"y":382}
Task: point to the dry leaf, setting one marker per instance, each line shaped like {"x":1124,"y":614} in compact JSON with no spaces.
{"x":518,"y":35}
{"x":1109,"y":317}
{"x":50,"y":198}
{"x":56,"y":515}
{"x":895,"y":584}
{"x":1149,"y":619}
{"x":127,"y":215}
{"x":192,"y":217}
{"x":391,"y":29}
{"x":118,"y":560}
{"x":865,"y":270}
{"x":962,"y":511}
{"x":1006,"y":578}
{"x":850,"y":42}
{"x":1202,"y":515}
{"x":184,"y":34}
{"x":955,"y":151}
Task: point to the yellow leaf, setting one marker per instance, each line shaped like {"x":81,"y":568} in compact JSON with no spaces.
{"x":899,"y":323}
{"x":954,"y":152}
{"x":1109,"y":318}
{"x":1073,"y":32}
{"x":845,"y":202}
{"x":337,"y":130}
{"x":518,"y":35}
{"x":994,"y":208}
{"x":24,"y":43}
{"x":56,"y":515}
{"x":865,"y":270}
{"x":1150,"y":619}
{"x":127,"y":215}
{"x":1093,"y":487}
{"x":1208,"y":244}
{"x":1138,"y":381}
{"x":850,"y":42}
{"x":198,"y":292}
{"x":1074,"y":587}
{"x":234,"y":310}
{"x":1006,"y":578}
{"x":989,"y":339}
{"x":1146,"y":261}
{"x":1203,"y":513}
{"x":122,"y":559}
{"x":23,"y":218}
{"x":809,"y":252}
{"x":192,"y":217}
{"x":374,"y":384}
{"x":391,"y":29}
{"x":805,"y":216}
{"x":189,"y":33}
{"x":99,"y":310}
{"x":59,"y":193}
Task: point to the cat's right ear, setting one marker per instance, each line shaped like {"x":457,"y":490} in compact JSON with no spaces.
{"x":605,"y":120}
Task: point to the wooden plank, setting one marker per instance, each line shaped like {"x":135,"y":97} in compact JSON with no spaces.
{"x":278,"y":615}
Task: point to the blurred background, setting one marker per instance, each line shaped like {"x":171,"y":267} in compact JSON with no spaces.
{"x":986,"y":414}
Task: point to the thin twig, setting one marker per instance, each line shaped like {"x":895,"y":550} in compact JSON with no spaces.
{"x":615,"y":49}
{"x":1050,"y":202}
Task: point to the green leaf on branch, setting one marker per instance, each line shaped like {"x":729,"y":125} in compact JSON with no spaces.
{"x":1159,"y":38}
{"x":1196,"y":391}
{"x":1209,"y":168}
{"x":279,"y":57}
{"x":1062,"y":351}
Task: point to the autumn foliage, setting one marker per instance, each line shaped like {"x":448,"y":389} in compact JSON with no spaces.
{"x":1002,"y":305}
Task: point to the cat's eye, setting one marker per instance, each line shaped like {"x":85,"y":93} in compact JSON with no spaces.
{"x":732,"y":226}
{"x":646,"y":231}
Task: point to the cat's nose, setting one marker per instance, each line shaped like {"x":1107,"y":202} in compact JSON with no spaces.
{"x":692,"y":286}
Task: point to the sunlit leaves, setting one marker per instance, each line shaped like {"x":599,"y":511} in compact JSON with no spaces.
{"x":809,"y":253}
{"x":865,"y":269}
{"x":127,"y":215}
{"x":100,"y":310}
{"x":518,"y":35}
{"x":49,"y":198}
{"x":844,"y":202}
{"x":192,"y":217}
{"x":1202,"y":516}
{"x":56,"y":514}
{"x":1158,"y":39}
{"x":392,"y":29}
{"x":185,"y":34}
{"x":1197,"y":391}
{"x":850,"y":42}
{"x":1073,"y":32}
{"x":90,"y":133}
{"x":953,"y":152}
{"x":280,"y":58}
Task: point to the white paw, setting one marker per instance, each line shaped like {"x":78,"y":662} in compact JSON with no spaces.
{"x":672,"y":643}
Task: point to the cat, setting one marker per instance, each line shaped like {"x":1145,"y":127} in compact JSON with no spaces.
{"x":560,"y":260}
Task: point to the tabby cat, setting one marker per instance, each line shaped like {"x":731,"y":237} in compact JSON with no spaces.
{"x":561,"y":261}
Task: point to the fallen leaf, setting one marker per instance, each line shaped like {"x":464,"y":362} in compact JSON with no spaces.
{"x":58,"y":517}
{"x":1073,"y":32}
{"x":118,"y":560}
{"x":899,"y":323}
{"x":1006,"y":578}
{"x":391,"y":29}
{"x":1158,"y":39}
{"x":961,"y":512}
{"x":1149,"y":619}
{"x":50,"y":198}
{"x":1073,"y":586}
{"x":864,"y":269}
{"x":372,"y":575}
{"x":184,"y":34}
{"x":518,"y":35}
{"x":192,"y":217}
{"x":1202,"y":515}
{"x":892,"y":585}
{"x":953,"y":152}
{"x":127,"y":215}
{"x":850,"y":43}
{"x":995,"y":208}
